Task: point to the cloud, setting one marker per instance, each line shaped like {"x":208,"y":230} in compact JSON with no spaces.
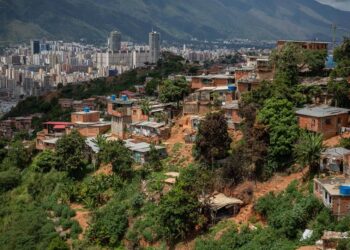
{"x":339,"y":4}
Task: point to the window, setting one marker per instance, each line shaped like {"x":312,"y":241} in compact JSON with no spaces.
{"x":328,"y":121}
{"x":313,"y":122}
{"x":134,"y":112}
{"x":249,"y":86}
{"x":339,"y":120}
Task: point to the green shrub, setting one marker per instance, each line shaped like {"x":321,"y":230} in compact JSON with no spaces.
{"x":75,"y":229}
{"x":9,"y":179}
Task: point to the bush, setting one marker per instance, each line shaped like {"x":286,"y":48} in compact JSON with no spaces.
{"x":9,"y":179}
{"x":75,"y":229}
{"x":109,"y":225}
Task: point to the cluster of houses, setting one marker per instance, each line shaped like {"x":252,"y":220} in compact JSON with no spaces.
{"x":128,"y":123}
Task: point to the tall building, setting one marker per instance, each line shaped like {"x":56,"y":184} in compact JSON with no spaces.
{"x":154,"y":46}
{"x":114,"y":41}
{"x":35,"y":46}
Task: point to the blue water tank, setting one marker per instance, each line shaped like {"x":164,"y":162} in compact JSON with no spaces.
{"x":330,"y":63}
{"x":86,"y":109}
{"x":344,"y":190}
{"x":232,"y":87}
{"x":124,"y":98}
{"x":113,"y":97}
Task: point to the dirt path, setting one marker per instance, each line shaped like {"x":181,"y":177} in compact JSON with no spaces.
{"x":178,"y":131}
{"x":82,"y":217}
{"x":335,"y":141}
{"x":277,"y":184}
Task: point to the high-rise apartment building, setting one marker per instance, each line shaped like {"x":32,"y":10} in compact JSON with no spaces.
{"x":114,"y":41}
{"x":154,"y":46}
{"x":35,"y":46}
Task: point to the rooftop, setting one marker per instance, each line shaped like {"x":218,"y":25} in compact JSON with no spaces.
{"x":336,"y":152}
{"x":322,"y":111}
{"x":219,"y":200}
{"x":218,"y":76}
{"x":149,"y":124}
{"x":232,"y":105}
{"x":332,"y":184}
{"x":85,"y":113}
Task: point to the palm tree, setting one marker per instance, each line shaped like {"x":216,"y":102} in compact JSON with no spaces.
{"x":308,"y":150}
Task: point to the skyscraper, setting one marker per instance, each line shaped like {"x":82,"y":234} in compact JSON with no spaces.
{"x":154,"y":46}
{"x":114,"y":41}
{"x":35,"y":46}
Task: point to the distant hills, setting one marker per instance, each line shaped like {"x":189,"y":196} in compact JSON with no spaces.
{"x":21,"y":20}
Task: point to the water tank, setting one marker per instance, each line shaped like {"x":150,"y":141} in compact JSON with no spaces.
{"x":232,"y":87}
{"x":344,"y":190}
{"x":124,"y":98}
{"x":86,"y":109}
{"x":113,"y":97}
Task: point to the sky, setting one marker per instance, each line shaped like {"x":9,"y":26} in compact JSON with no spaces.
{"x":339,"y":4}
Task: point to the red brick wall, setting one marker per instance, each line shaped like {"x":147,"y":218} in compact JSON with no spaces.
{"x":340,"y":205}
{"x":319,"y":124}
{"x":85,"y":117}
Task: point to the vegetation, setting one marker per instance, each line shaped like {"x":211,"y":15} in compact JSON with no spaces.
{"x":212,"y":141}
{"x":173,"y":91}
{"x":308,"y":150}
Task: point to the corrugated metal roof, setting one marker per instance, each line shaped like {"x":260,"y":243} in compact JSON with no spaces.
{"x":322,"y":111}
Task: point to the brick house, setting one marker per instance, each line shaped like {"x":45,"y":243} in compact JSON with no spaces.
{"x":88,"y":123}
{"x":335,"y":160}
{"x":323,"y":119}
{"x":202,"y":81}
{"x":335,"y":194}
{"x":202,"y":100}
{"x":232,"y":114}
{"x":121,"y":111}
{"x":47,"y":138}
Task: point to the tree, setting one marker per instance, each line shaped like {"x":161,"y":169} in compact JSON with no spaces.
{"x":308,"y":150}
{"x":109,"y":225}
{"x":70,"y":150}
{"x":178,"y":214}
{"x":173,"y":90}
{"x":151,"y":88}
{"x":153,"y":159}
{"x":17,"y":156}
{"x":145,"y":106}
{"x":119,"y":156}
{"x":286,"y":64}
{"x":342,"y":58}
{"x":45,"y":161}
{"x":340,"y":92}
{"x":212,"y":140}
{"x":279,"y":117}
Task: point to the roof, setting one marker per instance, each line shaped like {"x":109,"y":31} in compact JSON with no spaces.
{"x":327,"y":235}
{"x":124,"y":102}
{"x":149,"y":124}
{"x":336,"y":152}
{"x":322,"y":111}
{"x":59,"y":126}
{"x":58,"y":123}
{"x":141,"y":147}
{"x":332,"y":184}
{"x":51,"y":141}
{"x":232,"y":105}
{"x":85,"y":113}
{"x":90,"y":142}
{"x":218,"y":76}
{"x":219,"y":200}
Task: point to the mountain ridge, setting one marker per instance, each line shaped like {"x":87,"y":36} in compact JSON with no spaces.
{"x":176,"y":20}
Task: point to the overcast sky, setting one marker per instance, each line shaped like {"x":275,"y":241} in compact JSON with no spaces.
{"x":339,"y":4}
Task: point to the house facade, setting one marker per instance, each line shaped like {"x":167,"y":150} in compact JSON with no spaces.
{"x":323,"y":119}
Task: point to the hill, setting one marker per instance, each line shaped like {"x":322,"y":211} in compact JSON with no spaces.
{"x":208,"y":19}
